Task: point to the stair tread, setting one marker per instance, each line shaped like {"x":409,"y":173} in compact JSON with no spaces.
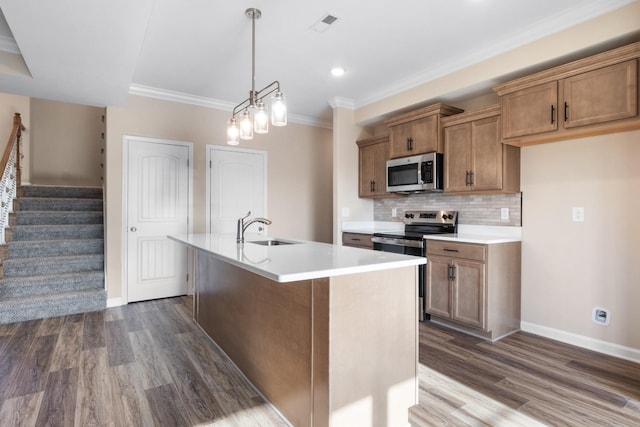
{"x":45,"y":242}
{"x":53,"y":258}
{"x":50,"y":297}
{"x":51,"y":277}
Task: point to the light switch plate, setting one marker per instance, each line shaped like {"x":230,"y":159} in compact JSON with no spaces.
{"x":577,"y":214}
{"x":394,"y":212}
{"x":345,"y":212}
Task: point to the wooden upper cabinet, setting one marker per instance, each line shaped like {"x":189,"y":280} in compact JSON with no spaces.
{"x":414,"y":137}
{"x":531,"y":110}
{"x":591,"y":96}
{"x":475,"y":159}
{"x":418,"y":131}
{"x":603,"y":95}
{"x":372,"y":158}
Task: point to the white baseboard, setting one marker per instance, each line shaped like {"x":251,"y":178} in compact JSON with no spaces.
{"x":605,"y":347}
{"x":115,"y":302}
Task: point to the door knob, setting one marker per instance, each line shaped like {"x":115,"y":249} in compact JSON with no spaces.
{"x":134,"y":229}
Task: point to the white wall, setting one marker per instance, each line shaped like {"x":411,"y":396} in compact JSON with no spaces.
{"x":570,"y":267}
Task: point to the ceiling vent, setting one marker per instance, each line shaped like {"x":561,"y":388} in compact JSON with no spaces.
{"x":324,"y":23}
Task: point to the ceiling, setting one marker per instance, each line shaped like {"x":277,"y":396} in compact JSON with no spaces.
{"x":97,"y":52}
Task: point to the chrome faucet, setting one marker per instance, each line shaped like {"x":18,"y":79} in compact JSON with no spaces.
{"x":242,"y":226}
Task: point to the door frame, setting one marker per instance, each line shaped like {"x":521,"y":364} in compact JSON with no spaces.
{"x":126,"y":140}
{"x":209,"y":169}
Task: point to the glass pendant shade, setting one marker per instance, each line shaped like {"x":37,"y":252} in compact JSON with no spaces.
{"x":278,"y":110}
{"x":261,"y":119}
{"x":246,"y":126}
{"x":233,"y":132}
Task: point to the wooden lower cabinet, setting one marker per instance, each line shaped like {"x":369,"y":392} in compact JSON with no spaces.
{"x":357,"y":240}
{"x":474,"y":287}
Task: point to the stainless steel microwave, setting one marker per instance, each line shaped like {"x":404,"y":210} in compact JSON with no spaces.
{"x":415,"y":173}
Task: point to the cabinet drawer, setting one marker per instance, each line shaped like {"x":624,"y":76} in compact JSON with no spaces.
{"x":357,"y":239}
{"x":456,"y":250}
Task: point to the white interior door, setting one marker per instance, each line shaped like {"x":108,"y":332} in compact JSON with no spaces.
{"x":237,"y":184}
{"x":158,"y":200}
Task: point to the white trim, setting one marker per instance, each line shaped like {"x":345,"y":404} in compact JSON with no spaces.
{"x":211,"y":147}
{"x":116,"y":302}
{"x":201,"y":101}
{"x":342,"y":102}
{"x":589,"y":343}
{"x":126,"y":139}
{"x":8,"y":44}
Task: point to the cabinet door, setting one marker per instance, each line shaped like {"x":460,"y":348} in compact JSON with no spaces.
{"x":457,"y":157}
{"x":438,"y":297}
{"x":367,"y":170}
{"x":530,"y":111}
{"x":380,"y":155}
{"x":469,"y":293}
{"x":603,"y":95}
{"x":486,"y":149}
{"x":399,"y":135}
{"x":415,"y":137}
{"x":425,"y":135}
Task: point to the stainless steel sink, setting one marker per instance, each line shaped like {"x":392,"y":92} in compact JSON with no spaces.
{"x":272,"y":242}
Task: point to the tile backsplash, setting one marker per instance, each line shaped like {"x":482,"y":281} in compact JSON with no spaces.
{"x":472,"y":209}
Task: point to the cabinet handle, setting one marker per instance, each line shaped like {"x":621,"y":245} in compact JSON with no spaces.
{"x":553,"y":116}
{"x":471,"y":178}
{"x":453,"y":273}
{"x":466,"y":179}
{"x":371,"y":186}
{"x":566,"y":111}
{"x":450,"y":250}
{"x":449,"y":272}
{"x":355,"y":239}
{"x":409,"y":144}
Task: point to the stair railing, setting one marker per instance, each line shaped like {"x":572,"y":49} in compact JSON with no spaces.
{"x":10,"y":167}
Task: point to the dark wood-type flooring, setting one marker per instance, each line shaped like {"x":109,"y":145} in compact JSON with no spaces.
{"x":148,"y":364}
{"x":521,"y":380}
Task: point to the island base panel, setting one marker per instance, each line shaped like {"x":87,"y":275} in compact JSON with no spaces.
{"x":324,"y":352}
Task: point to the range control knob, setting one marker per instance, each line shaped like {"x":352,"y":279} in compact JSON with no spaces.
{"x":450,"y":216}
{"x":408,"y":215}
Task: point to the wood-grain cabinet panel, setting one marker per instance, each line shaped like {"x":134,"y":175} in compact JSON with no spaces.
{"x":357,"y":240}
{"x":372,"y":166}
{"x":475,"y":287}
{"x":476,"y":160}
{"x":591,"y":96}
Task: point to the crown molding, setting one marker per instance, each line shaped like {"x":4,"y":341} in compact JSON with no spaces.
{"x":201,"y":101}
{"x":341,"y":102}
{"x":523,"y":36}
{"x":8,"y":44}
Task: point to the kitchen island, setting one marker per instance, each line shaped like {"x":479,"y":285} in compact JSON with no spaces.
{"x":327,"y":333}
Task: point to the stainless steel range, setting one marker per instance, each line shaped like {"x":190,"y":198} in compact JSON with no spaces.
{"x":411,"y":240}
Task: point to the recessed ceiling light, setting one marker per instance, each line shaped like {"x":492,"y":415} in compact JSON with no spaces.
{"x":338,"y":71}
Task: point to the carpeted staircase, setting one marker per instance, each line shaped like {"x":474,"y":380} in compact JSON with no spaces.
{"x":53,"y":261}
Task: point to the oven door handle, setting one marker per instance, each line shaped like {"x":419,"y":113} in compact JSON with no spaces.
{"x":398,"y":242}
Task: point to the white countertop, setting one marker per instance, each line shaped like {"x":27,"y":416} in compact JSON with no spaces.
{"x":481,"y":234}
{"x":301,"y":261}
{"x":370,"y":227}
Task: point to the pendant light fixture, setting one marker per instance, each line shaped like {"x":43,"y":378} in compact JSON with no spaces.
{"x":254,"y":117}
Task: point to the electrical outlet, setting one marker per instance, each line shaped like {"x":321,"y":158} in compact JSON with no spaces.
{"x":504,"y":214}
{"x":578,"y":214}
{"x":601,"y":316}
{"x":394,"y":212}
